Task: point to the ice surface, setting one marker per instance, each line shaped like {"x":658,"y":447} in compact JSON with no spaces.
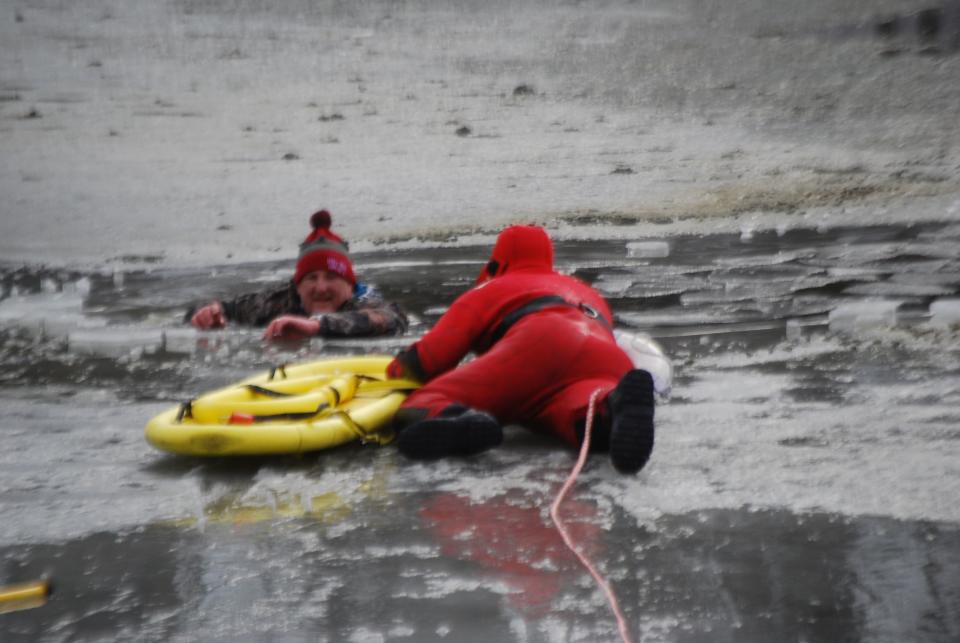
{"x":216,"y":135}
{"x":180,"y":340}
{"x":730,"y":438}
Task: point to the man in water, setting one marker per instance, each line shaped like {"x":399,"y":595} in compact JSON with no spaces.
{"x":544,"y":345}
{"x":323,"y":298}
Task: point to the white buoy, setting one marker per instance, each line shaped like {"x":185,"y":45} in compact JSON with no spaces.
{"x":945,"y":312}
{"x":647,"y":354}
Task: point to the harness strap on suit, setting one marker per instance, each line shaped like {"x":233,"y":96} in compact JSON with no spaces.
{"x":539,"y":304}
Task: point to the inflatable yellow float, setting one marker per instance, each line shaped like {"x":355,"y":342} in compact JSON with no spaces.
{"x":289,"y":409}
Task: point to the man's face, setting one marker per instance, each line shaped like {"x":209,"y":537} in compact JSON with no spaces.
{"x":323,"y":292}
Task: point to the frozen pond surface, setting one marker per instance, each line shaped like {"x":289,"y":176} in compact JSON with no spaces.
{"x":205,"y":131}
{"x":803,"y":485}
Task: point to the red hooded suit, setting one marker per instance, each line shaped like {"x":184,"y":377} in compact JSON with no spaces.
{"x":543,"y":342}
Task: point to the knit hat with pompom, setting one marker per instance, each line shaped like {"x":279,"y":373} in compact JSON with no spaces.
{"x":324,"y":250}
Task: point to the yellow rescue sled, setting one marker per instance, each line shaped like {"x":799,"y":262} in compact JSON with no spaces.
{"x":289,"y":409}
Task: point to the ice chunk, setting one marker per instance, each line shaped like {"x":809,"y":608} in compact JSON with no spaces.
{"x":857,"y":316}
{"x":699,"y":297}
{"x":764,"y":260}
{"x":794,"y":329}
{"x":82,"y":286}
{"x":856,"y":255}
{"x":935,"y":249}
{"x":613,"y":285}
{"x":115,"y":341}
{"x":936,"y":278}
{"x":893,"y":289}
{"x":858,"y":272}
{"x":685,"y":318}
{"x":945,"y":312}
{"x":648,"y":249}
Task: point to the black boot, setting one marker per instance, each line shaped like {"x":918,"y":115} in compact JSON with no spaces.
{"x":631,"y":434}
{"x":457,"y":431}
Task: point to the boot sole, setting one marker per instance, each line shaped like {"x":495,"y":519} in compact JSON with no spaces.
{"x":631,"y":436}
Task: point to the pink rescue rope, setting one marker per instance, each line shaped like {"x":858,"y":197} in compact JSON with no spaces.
{"x":555,"y":515}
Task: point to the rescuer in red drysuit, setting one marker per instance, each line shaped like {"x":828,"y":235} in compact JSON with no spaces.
{"x":544,"y":343}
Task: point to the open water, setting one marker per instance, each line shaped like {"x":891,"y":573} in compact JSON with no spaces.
{"x":803,"y":486}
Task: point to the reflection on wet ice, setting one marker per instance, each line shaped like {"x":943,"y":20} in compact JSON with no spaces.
{"x":745,"y":576}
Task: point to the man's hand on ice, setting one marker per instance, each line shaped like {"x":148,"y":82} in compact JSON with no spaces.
{"x":291,"y":327}
{"x":210,"y":316}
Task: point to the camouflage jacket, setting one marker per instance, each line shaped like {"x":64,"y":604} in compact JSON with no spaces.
{"x":365,"y":314}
